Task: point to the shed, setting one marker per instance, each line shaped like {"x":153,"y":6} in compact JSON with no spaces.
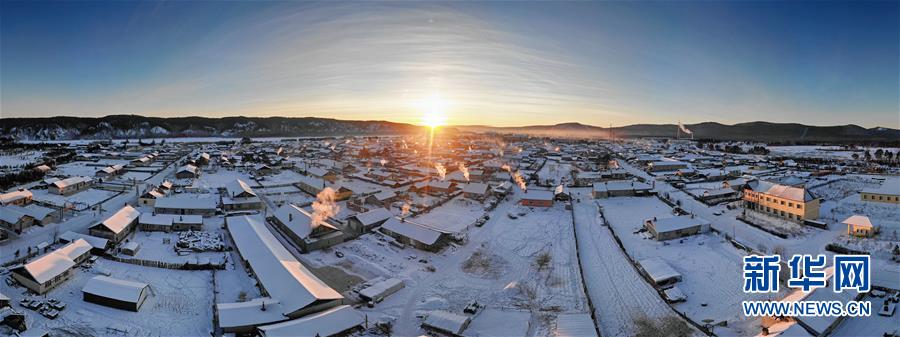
{"x":115,"y":293}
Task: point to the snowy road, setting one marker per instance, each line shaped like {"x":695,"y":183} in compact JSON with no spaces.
{"x":618,"y":292}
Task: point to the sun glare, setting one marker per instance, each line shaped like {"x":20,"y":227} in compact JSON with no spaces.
{"x":433,"y":108}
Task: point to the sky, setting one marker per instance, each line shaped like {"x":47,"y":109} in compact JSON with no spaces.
{"x":490,"y":63}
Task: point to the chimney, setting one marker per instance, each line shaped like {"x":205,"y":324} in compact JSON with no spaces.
{"x":290,"y":217}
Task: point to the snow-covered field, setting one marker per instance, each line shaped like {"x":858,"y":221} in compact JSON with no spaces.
{"x":811,"y":151}
{"x":20,"y":158}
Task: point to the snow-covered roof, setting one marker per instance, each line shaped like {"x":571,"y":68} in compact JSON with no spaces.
{"x":373,"y":216}
{"x":326,"y":323}
{"x":575,"y":325}
{"x":781,"y":191}
{"x":6,"y":198}
{"x":620,"y":185}
{"x":538,"y":195}
{"x":188,"y":168}
{"x":658,"y":269}
{"x":888,"y":187}
{"x":384,"y":195}
{"x":249,"y":313}
{"x":75,"y":249}
{"x":475,"y":188}
{"x":12,"y":214}
{"x":239,"y":189}
{"x":447,"y":321}
{"x":108,"y":287}
{"x":380,"y":288}
{"x":119,"y":221}
{"x":186,"y":202}
{"x":283,"y":277}
{"x":678,"y":223}
{"x":46,"y":267}
{"x":95,"y":242}
{"x":411,"y":230}
{"x":858,"y":221}
{"x":298,"y":220}
{"x":70,"y":181}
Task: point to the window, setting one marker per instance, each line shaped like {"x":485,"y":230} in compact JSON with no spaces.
{"x":799,"y":206}
{"x":790,"y":204}
{"x":782,"y":202}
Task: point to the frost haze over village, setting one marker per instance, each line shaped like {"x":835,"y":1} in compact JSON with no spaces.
{"x":462,"y":234}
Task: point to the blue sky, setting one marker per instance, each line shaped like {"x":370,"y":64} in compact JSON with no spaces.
{"x":499,"y":63}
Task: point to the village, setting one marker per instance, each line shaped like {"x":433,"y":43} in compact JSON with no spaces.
{"x":454,"y":234}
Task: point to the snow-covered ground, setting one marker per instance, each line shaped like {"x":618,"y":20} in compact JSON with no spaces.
{"x":496,"y":267}
{"x":619,"y":294}
{"x":181,"y":299}
{"x":710,"y":266}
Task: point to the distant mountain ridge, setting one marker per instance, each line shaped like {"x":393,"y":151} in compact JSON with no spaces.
{"x":751,"y":131}
{"x":135,"y":126}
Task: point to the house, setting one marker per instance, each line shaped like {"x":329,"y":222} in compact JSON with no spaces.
{"x":788,"y":202}
{"x":338,"y":321}
{"x":296,"y":223}
{"x":620,"y":188}
{"x":170,"y":222}
{"x":659,"y":271}
{"x":238,"y":196}
{"x":861,"y":226}
{"x":52,"y":269}
{"x":366,"y":221}
{"x":537,"y":198}
{"x":819,"y":325}
{"x":290,"y":290}
{"x":110,"y":171}
{"x":377,"y":291}
{"x":414,"y":234}
{"x":310,"y":184}
{"x":142,"y":161}
{"x":149,"y":198}
{"x":677,"y":227}
{"x":439,"y":187}
{"x":21,"y":197}
{"x":186,"y":205}
{"x":118,"y":226}
{"x":202,"y":159}
{"x":666,"y":165}
{"x":115,"y":293}
{"x":98,"y":245}
{"x":39,"y":215}
{"x":476,"y":191}
{"x":43,"y":169}
{"x":263,"y":169}
{"x":322,"y":173}
{"x":888,"y":192}
{"x":187,"y":172}
{"x":14,"y":219}
{"x":382,"y":199}
{"x":70,"y":185}
{"x":446,"y":322}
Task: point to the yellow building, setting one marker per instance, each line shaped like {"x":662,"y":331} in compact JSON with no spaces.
{"x":888,"y":192}
{"x":860,"y":226}
{"x":788,"y":202}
